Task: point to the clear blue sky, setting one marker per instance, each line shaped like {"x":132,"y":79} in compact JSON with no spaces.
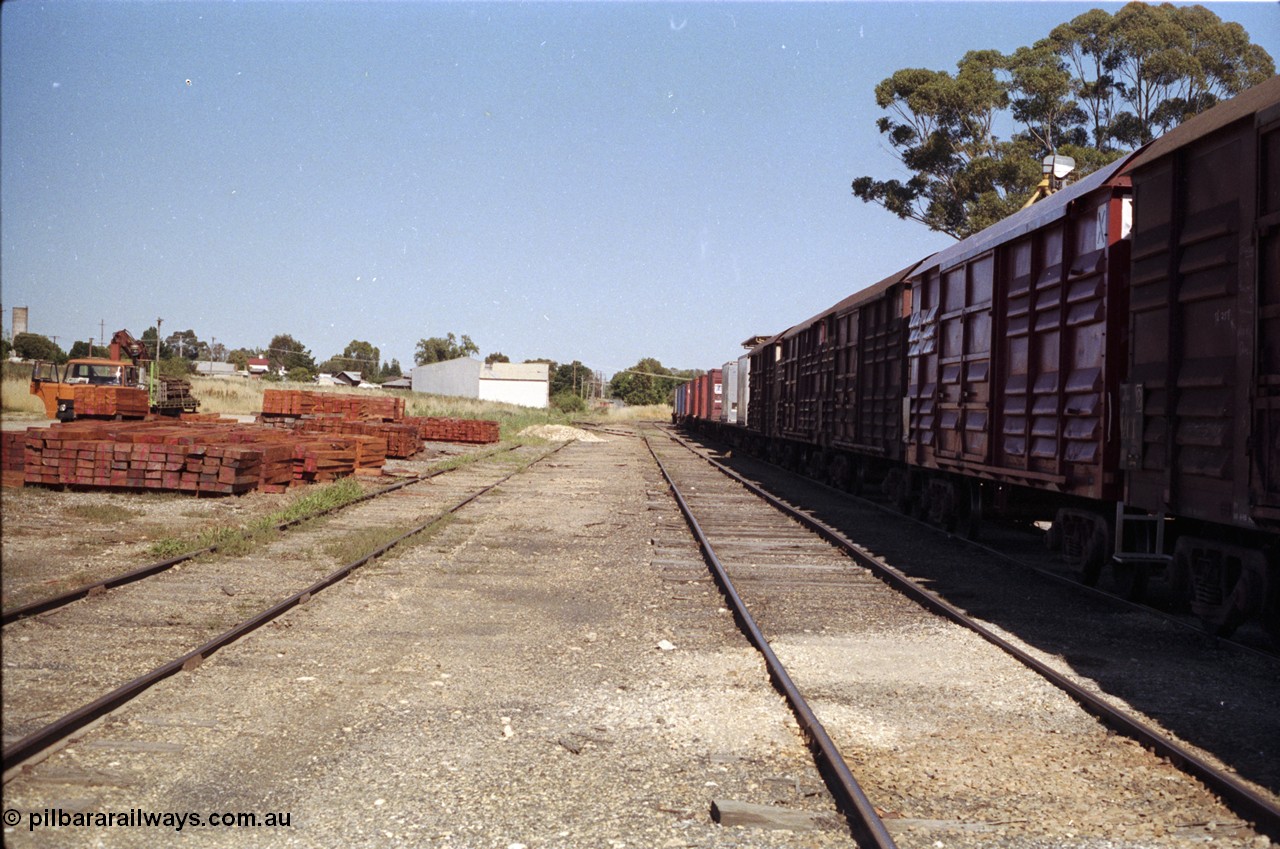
{"x":590,"y":181}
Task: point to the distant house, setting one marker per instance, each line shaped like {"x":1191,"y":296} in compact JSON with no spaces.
{"x":399,"y":383}
{"x":259,"y":366}
{"x":525,"y":384}
{"x":339,"y":378}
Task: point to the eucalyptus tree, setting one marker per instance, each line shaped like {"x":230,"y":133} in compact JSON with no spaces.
{"x":1097,"y":85}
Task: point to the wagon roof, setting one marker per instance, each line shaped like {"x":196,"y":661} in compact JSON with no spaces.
{"x":861,"y":296}
{"x":1241,"y":106}
{"x":1023,"y":221}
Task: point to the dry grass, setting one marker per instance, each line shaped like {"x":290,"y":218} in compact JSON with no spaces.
{"x":651,"y":413}
{"x":238,"y":396}
{"x":16,"y":397}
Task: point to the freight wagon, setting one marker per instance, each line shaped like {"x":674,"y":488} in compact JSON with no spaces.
{"x":1106,"y":361}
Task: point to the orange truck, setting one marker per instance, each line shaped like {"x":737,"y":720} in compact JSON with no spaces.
{"x":110,"y":388}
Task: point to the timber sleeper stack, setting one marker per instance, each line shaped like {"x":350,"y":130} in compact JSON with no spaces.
{"x":200,"y":458}
{"x":312,"y":436}
{"x":336,"y":413}
{"x":438,"y":429}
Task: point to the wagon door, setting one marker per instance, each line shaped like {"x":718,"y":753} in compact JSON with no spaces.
{"x":964,"y":382}
{"x":1191,"y":323}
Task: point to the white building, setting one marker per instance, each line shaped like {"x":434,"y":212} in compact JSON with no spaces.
{"x":525,"y":384}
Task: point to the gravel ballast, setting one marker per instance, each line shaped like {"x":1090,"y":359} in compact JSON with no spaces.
{"x":526,"y":676}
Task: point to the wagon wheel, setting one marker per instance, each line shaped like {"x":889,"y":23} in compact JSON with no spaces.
{"x":1225,"y":595}
{"x":858,"y":478}
{"x":1271,"y":617}
{"x":1130,"y":579}
{"x":1095,"y":555}
{"x":968,"y":521}
{"x":1180,"y":581}
{"x":898,"y":488}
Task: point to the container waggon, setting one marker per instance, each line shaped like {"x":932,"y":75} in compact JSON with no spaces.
{"x":1105,"y":361}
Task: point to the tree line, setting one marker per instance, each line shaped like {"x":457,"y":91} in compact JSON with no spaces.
{"x":1095,"y":87}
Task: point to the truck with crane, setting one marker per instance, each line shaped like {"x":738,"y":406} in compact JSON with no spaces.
{"x":124,"y":385}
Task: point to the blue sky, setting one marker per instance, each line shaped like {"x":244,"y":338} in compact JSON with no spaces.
{"x":590,"y":181}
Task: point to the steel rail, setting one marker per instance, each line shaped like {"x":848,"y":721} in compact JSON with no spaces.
{"x":868,"y":829}
{"x":1069,"y":582}
{"x":1242,"y":799}
{"x":53,"y":602}
{"x":62,"y":728}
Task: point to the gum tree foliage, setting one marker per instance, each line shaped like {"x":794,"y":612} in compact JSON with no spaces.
{"x":240,"y":357}
{"x":438,"y":350}
{"x":573,"y":378}
{"x":1098,"y":85}
{"x":149,"y":340}
{"x":85,"y":349}
{"x":183,"y":343}
{"x":358,"y":356}
{"x":289,"y":354}
{"x":33,"y":346}
{"x":647,"y":382}
{"x":496,"y":357}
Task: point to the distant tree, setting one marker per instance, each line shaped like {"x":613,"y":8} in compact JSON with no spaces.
{"x":185,"y":343}
{"x":358,"y":356}
{"x":647,"y":382}
{"x":496,"y":357}
{"x":572,"y":377}
{"x":300,"y":374}
{"x":33,"y":346}
{"x":288,"y":354}
{"x":85,"y":349}
{"x":6,"y":347}
{"x":333,"y":365}
{"x":176,"y":367}
{"x":240,"y":358}
{"x":390,"y":371}
{"x":568,"y":402}
{"x":438,"y":350}
{"x":217,"y":352}
{"x":149,"y":340}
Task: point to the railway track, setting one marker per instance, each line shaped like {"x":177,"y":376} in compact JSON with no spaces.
{"x":148,"y":630}
{"x":147,"y":570}
{"x":881,"y":670}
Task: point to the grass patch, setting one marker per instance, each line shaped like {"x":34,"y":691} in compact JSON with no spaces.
{"x":102,"y":513}
{"x":15,"y":392}
{"x":238,"y":541}
{"x":358,"y":544}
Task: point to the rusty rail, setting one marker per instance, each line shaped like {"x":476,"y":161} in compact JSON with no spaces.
{"x":62,"y":728}
{"x":1242,"y":799}
{"x":53,"y":602}
{"x":867,"y":827}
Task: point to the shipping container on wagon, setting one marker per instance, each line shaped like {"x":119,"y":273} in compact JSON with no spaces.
{"x":729,"y":393}
{"x":1201,"y":407}
{"x":680,"y":403}
{"x":1015,"y":345}
{"x":712,"y":395}
{"x":743,"y":378}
